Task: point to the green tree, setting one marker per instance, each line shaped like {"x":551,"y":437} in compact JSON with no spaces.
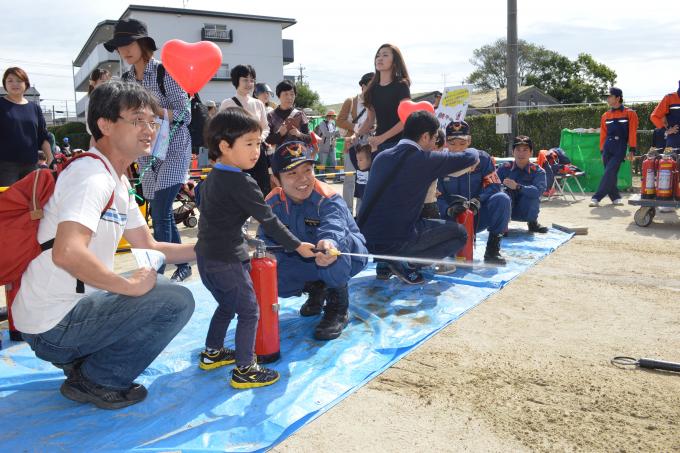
{"x":308,"y":98}
{"x":580,"y":80}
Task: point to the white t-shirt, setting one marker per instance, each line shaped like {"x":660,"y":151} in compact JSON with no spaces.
{"x":82,"y":191}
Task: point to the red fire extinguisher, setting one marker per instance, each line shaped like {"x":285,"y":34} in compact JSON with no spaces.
{"x":263,"y":274}
{"x":664,"y":177}
{"x":648,"y":185}
{"x":467,"y":219}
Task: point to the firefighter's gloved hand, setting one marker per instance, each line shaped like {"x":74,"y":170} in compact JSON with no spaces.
{"x":455,"y":209}
{"x":475,"y":206}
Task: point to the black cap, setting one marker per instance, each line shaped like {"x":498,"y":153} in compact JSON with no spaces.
{"x":457,"y":129}
{"x":127,"y":31}
{"x":289,"y":155}
{"x":613,"y":91}
{"x":366,"y":78}
{"x":522,"y":140}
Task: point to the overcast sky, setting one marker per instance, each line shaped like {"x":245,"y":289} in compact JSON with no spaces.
{"x":336,"y":41}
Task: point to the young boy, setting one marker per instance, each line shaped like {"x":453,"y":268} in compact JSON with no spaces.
{"x":362,"y":162}
{"x":315,"y":213}
{"x":228,"y":197}
{"x":42,"y":160}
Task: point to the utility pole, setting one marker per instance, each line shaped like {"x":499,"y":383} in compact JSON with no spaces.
{"x":512,"y":83}
{"x":301,"y":76}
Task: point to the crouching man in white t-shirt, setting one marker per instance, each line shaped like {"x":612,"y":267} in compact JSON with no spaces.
{"x":101,"y":328}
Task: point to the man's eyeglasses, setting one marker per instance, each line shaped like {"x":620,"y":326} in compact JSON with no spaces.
{"x":141,"y":124}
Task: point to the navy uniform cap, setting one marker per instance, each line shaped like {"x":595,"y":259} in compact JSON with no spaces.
{"x":289,"y":155}
{"x":613,"y":91}
{"x":522,"y":140}
{"x":457,"y":128}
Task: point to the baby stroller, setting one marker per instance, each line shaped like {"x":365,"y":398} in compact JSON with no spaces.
{"x":186,"y":212}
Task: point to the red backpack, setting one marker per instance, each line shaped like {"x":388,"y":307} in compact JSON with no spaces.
{"x":21,"y":208}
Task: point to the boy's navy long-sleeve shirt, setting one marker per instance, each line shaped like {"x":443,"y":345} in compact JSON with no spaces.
{"x":228,"y":197}
{"x":395,"y":213}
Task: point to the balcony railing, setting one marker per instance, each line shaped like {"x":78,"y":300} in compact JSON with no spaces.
{"x":223,"y":74}
{"x":210,"y":34}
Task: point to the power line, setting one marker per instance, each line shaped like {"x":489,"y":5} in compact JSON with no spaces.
{"x":38,"y":63}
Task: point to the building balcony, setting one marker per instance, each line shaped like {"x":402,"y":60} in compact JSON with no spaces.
{"x":211,"y":34}
{"x":99,"y":58}
{"x":223,"y":74}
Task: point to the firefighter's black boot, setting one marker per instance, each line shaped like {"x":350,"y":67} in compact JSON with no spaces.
{"x":335,"y":314}
{"x":535,"y":227}
{"x":314,"y":303}
{"x":492,"y":254}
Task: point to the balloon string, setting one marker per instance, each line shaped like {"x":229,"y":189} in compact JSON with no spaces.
{"x":166,"y":144}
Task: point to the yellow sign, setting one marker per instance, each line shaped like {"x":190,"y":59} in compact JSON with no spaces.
{"x":456,"y":97}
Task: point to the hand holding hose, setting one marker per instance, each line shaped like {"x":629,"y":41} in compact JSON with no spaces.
{"x":327,"y":253}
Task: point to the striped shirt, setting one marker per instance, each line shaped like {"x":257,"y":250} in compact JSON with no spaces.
{"x":174,"y":169}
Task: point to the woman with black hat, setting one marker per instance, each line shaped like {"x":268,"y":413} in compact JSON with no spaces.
{"x":162,"y":179}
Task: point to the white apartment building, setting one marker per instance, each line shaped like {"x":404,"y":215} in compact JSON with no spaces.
{"x":243,"y":39}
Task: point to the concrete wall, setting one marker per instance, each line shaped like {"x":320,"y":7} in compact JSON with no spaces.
{"x":257,"y":43}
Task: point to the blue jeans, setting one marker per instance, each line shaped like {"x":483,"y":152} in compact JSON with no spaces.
{"x":116,"y":336}
{"x":612,"y":162}
{"x":164,"y":227}
{"x":232,"y":288}
{"x":434,"y":239}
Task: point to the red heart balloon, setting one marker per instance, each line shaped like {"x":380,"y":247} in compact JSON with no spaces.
{"x":407,"y":107}
{"x":193,"y":64}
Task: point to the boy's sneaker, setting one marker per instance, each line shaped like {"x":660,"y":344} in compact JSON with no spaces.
{"x":253,"y":376}
{"x":382,"y":271}
{"x":181,"y":274}
{"x":593,"y":203}
{"x":406,"y":273}
{"x":220,"y":358}
{"x":78,"y":388}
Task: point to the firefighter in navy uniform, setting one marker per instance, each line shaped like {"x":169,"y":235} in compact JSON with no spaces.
{"x":618,"y":131}
{"x":525,"y":183}
{"x":312,"y":210}
{"x":667,"y":115}
{"x":483,"y":190}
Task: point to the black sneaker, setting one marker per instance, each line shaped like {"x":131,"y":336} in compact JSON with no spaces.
{"x":314,"y":303}
{"x":181,"y":274}
{"x":78,"y":388}
{"x":535,"y":227}
{"x":382,"y":271}
{"x":222,"y":357}
{"x":406,"y":273}
{"x":253,"y":376}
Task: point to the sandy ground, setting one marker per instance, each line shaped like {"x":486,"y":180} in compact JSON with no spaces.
{"x":528,"y":369}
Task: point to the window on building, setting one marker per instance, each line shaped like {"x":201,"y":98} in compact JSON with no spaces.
{"x":216,"y":32}
{"x":223,"y":73}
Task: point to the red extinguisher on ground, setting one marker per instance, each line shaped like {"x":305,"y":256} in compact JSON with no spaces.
{"x":467,"y":219}
{"x":648,"y":183}
{"x":263,"y":274}
{"x":664,"y":177}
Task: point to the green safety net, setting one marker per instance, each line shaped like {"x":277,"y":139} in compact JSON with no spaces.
{"x":583,"y":148}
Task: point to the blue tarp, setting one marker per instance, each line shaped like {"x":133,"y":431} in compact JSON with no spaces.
{"x":189,"y":409}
